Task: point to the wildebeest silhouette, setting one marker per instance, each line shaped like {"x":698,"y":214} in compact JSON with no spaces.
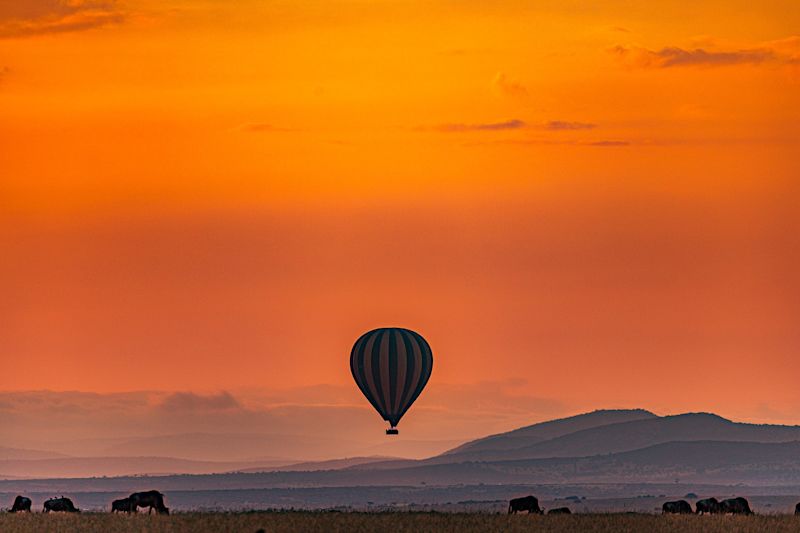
{"x":60,"y":505}
{"x":708,"y":505}
{"x":797,"y":509}
{"x":527,"y":503}
{"x":151,"y":498}
{"x":735,"y":506}
{"x":560,"y":510}
{"x":677,"y":507}
{"x":123,"y":505}
{"x":21,"y":503}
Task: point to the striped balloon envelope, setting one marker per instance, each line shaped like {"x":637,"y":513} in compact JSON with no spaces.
{"x":391,"y":367}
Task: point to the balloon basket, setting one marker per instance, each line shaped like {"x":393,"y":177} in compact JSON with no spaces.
{"x":392,"y":431}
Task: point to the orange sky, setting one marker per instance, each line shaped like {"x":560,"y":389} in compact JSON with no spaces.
{"x":206,"y":195}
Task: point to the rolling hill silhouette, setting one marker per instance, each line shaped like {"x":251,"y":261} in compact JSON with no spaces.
{"x":619,"y":446}
{"x":616,"y":437}
{"x":528,"y":435}
{"x":24,"y":454}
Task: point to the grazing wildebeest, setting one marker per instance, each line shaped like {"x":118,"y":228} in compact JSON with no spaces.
{"x":678,"y":507}
{"x":60,"y":505}
{"x":797,"y":509}
{"x":21,"y":503}
{"x":735,"y":506}
{"x":123,"y":505}
{"x":709,"y":505}
{"x":560,"y":510}
{"x":528,"y":503}
{"x":151,"y":498}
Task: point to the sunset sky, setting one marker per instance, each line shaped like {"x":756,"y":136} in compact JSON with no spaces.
{"x":578,"y":206}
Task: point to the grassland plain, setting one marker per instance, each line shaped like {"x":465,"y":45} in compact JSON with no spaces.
{"x":401,"y":522}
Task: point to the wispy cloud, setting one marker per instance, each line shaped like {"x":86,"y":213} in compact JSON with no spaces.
{"x":559,"y":125}
{"x":513,"y":124}
{"x":548,"y":142}
{"x":780,"y":51}
{"x":608,"y":143}
{"x":41,"y":17}
{"x":509,"y":87}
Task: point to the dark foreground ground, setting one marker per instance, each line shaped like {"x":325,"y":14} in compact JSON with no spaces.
{"x":331,"y":522}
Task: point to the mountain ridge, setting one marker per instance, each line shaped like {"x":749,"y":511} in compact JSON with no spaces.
{"x":554,"y":428}
{"x":630,"y":435}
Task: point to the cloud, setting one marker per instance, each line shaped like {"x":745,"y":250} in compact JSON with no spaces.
{"x":189,"y":401}
{"x":513,"y":124}
{"x":547,"y":142}
{"x":509,"y":87}
{"x":608,"y":143}
{"x":559,"y":125}
{"x":784,"y":51}
{"x":41,"y":17}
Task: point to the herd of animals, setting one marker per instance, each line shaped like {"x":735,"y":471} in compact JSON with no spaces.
{"x":739,"y":505}
{"x":152,"y":499}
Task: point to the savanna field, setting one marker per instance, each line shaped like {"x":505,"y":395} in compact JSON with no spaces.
{"x":286,"y":522}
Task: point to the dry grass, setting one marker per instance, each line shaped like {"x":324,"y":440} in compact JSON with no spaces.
{"x":280,"y":522}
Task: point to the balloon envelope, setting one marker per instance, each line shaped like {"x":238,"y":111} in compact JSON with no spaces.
{"x":391,"y":367}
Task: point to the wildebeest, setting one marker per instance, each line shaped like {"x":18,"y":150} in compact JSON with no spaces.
{"x":709,"y":505}
{"x":151,"y":498}
{"x":528,"y":503}
{"x":560,"y":510}
{"x":21,"y":503}
{"x":797,"y":509}
{"x":123,"y":505}
{"x":60,"y":505}
{"x":735,"y":506}
{"x":678,"y":507}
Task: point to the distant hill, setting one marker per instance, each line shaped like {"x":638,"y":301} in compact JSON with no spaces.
{"x":211,"y":446}
{"x":753,"y":463}
{"x":528,"y":435}
{"x":621,"y":437}
{"x":698,"y":462}
{"x":114,"y":466}
{"x":312,"y":466}
{"x":23,"y":454}
{"x":622,"y":446}
{"x":269,"y":449}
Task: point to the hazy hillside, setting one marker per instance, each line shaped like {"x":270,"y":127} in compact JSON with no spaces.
{"x":311,"y":466}
{"x":269,"y":449}
{"x":23,"y":454}
{"x":626,"y":446}
{"x":626,"y":436}
{"x":214,"y":446}
{"x":115,"y":466}
{"x":699,"y":462}
{"x":525,"y":436}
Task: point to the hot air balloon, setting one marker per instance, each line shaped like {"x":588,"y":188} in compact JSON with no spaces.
{"x":391,"y":367}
